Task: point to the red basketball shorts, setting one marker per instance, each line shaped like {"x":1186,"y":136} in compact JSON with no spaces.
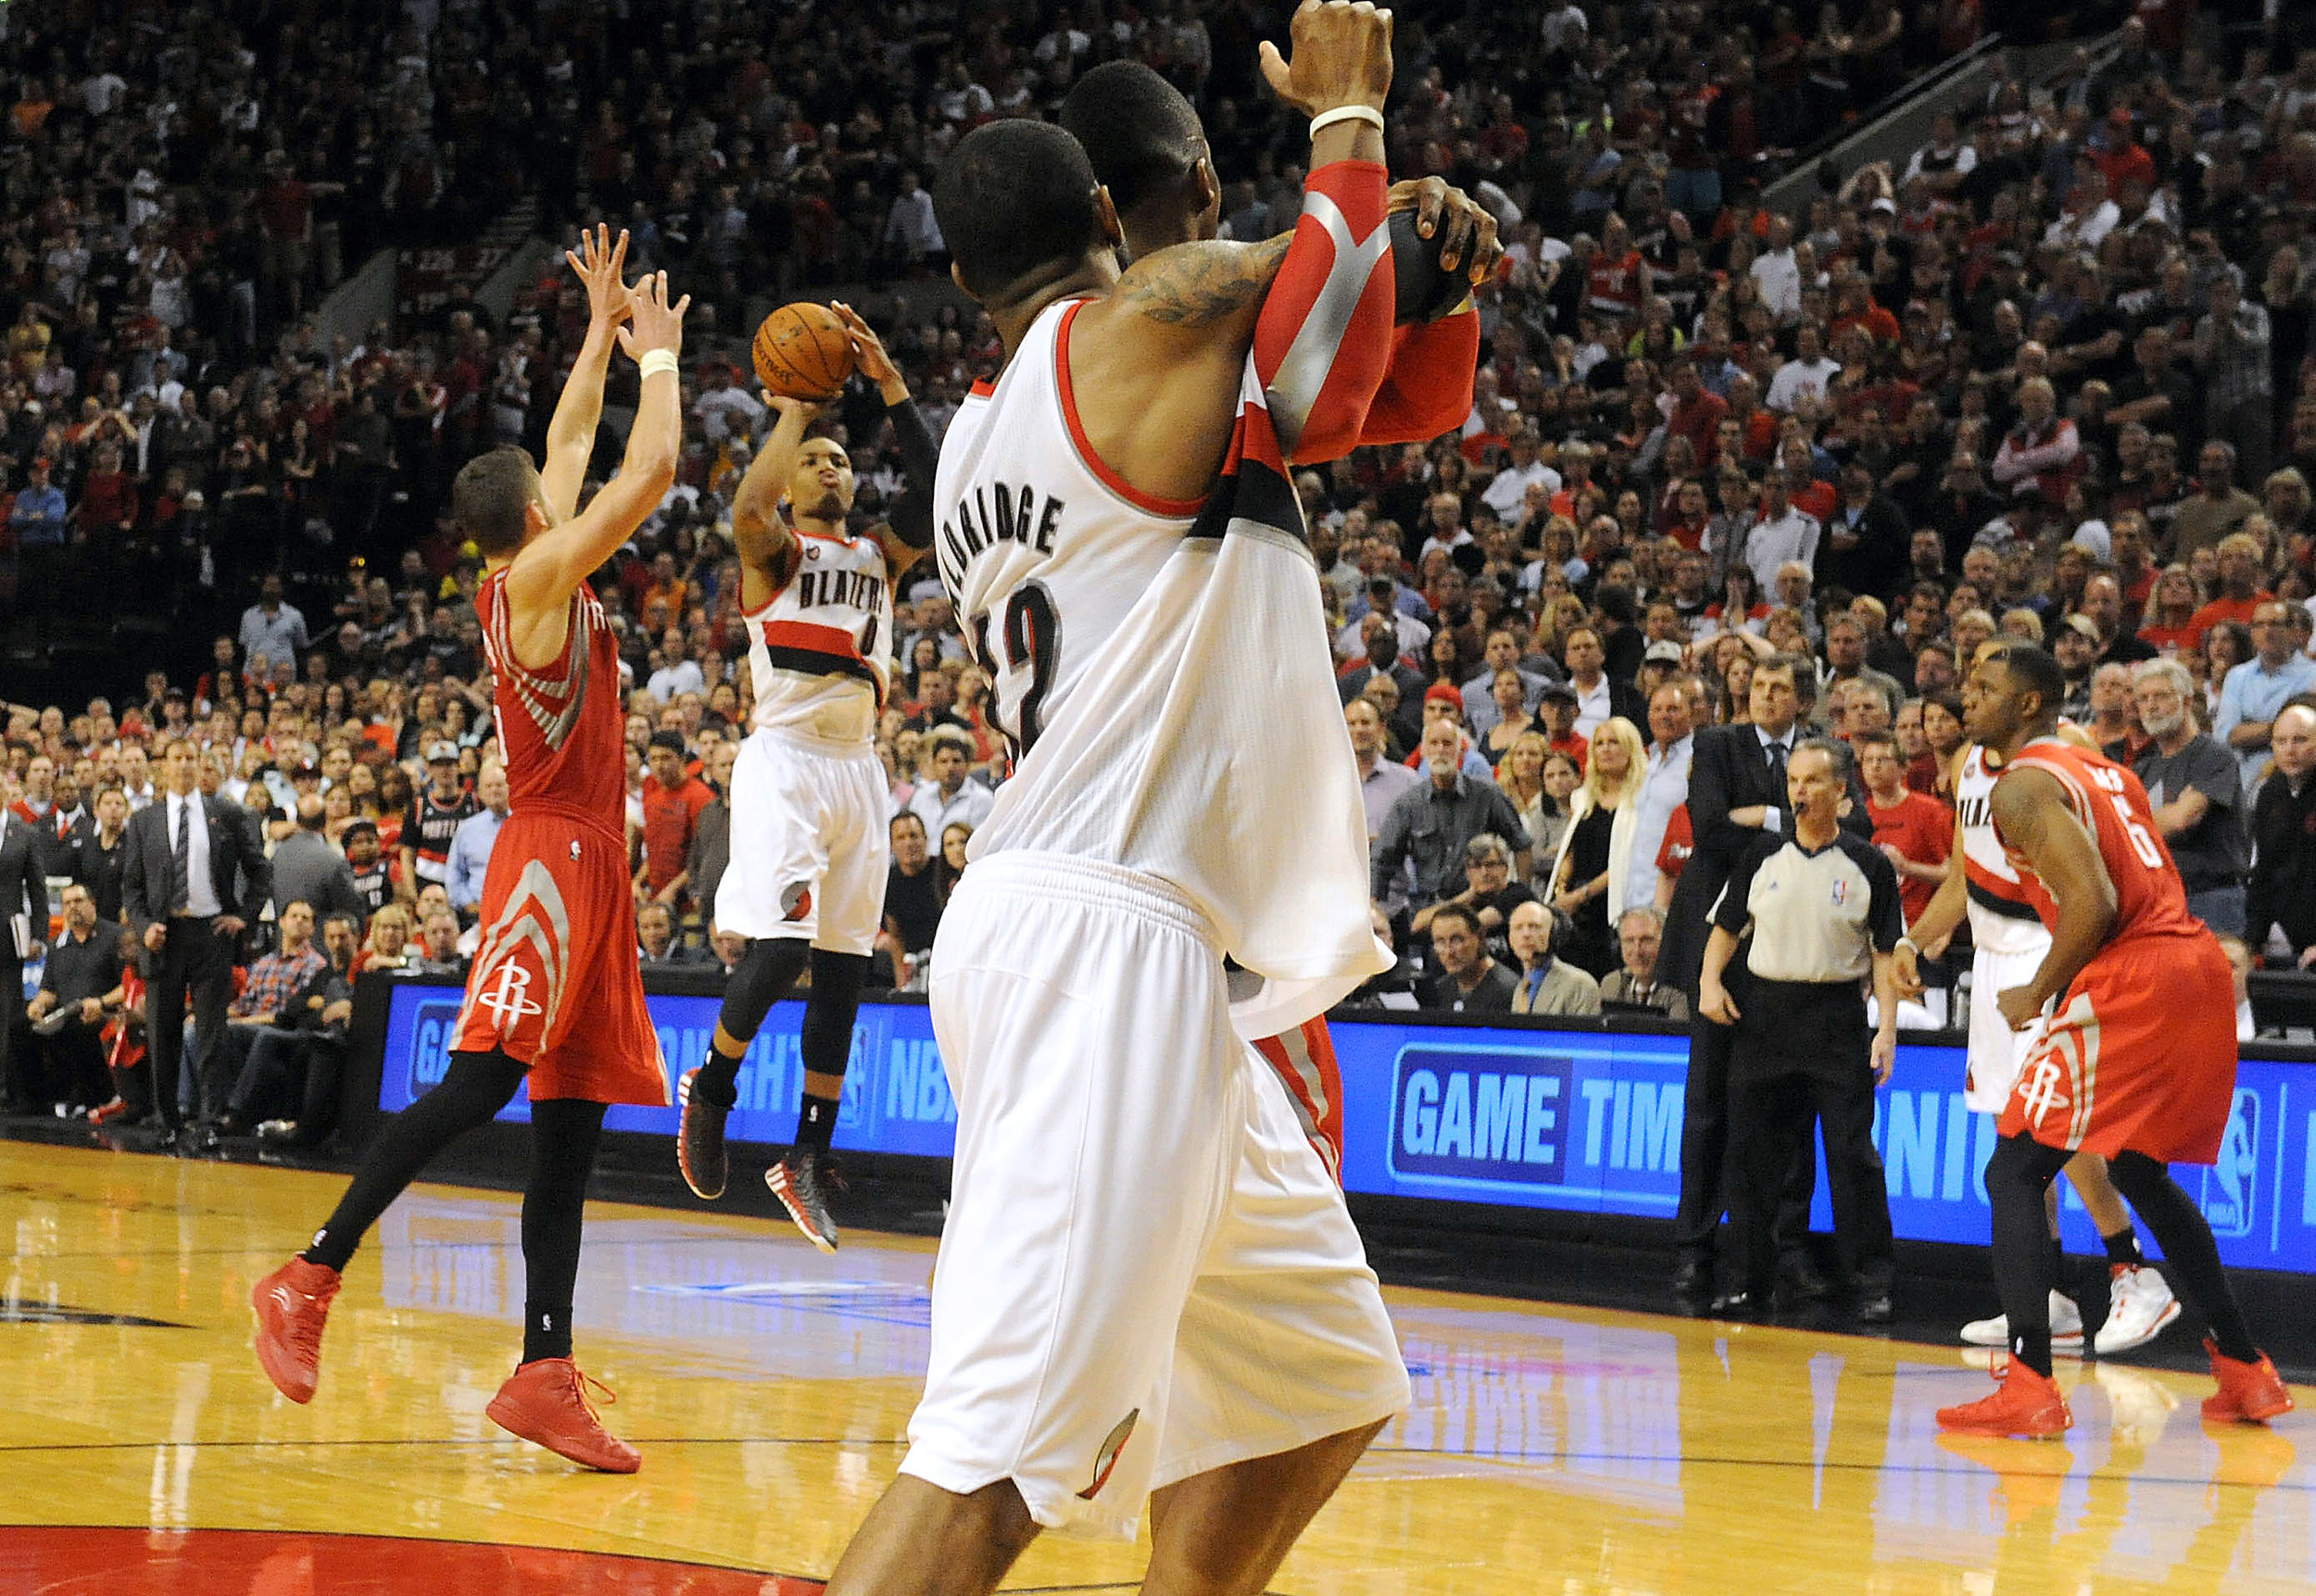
{"x":2139,"y":1058}
{"x":554,"y":982}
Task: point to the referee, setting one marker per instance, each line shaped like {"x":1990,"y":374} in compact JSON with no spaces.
{"x":1822,"y":908}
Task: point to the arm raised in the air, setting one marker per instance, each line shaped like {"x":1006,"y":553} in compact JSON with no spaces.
{"x":766,"y":545}
{"x":571,"y":432}
{"x":1153,"y":370}
{"x":542,"y":578}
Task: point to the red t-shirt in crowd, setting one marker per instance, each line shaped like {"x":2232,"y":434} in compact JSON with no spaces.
{"x":1922,"y":829}
{"x":1679,"y":843}
{"x":2224,"y":608}
{"x":669,"y":815}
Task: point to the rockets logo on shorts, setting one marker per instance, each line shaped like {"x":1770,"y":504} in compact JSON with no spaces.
{"x":1106,"y":1459}
{"x":796,"y":900}
{"x":520,"y":966}
{"x":2042,"y":1088}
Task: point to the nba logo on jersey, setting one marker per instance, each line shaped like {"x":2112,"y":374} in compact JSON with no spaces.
{"x":1841,"y":893}
{"x":2231,"y":1190}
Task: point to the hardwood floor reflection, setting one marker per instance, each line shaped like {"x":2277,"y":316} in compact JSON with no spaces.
{"x":768,"y":1388}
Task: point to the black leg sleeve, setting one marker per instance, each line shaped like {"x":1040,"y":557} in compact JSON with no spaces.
{"x":564,"y":1134}
{"x":475,"y":1087}
{"x":2017,"y":1175}
{"x":2193,"y":1257}
{"x":829,"y":1011}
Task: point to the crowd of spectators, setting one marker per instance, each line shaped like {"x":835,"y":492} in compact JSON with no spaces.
{"x":2047,"y":377}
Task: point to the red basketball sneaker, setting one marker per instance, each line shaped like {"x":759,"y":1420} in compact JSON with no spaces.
{"x":292,"y":1304}
{"x":2025,"y":1404}
{"x":545,"y":1402}
{"x":2249,"y":1393}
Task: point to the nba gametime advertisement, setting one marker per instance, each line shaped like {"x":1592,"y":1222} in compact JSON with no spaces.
{"x":1575,"y":1121}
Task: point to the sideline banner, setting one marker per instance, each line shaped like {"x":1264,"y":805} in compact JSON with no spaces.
{"x":1582,"y":1121}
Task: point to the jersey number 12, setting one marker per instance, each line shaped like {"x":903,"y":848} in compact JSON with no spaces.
{"x":1031,"y":634}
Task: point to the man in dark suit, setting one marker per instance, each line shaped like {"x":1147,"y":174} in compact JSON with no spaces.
{"x":1736,"y":791}
{"x":23,"y":891}
{"x":194,"y":882}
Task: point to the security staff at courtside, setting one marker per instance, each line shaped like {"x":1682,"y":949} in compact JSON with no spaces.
{"x":1811,"y":915}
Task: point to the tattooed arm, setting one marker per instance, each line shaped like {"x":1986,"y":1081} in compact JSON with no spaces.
{"x":1203,"y":292}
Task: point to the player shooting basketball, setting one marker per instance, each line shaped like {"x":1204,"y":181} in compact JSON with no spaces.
{"x":555,"y":997}
{"x":809,"y":848}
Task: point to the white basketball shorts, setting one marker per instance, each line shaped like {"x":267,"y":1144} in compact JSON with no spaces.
{"x":809,"y":848}
{"x":1996,"y":1052}
{"x":1146,"y":1272}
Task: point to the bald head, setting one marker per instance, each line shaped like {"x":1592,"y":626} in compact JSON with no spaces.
{"x":2293,"y":741}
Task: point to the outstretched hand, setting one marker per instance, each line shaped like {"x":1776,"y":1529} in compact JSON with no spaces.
{"x":868,"y":350}
{"x":1343,"y":57}
{"x":653,"y":324}
{"x":600,"y":263}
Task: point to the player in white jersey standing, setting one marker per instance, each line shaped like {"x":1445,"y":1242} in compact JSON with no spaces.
{"x":2009,"y":944}
{"x":1148,"y":1281}
{"x":810,"y":849}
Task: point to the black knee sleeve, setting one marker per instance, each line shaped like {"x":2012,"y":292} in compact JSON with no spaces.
{"x":763,"y":976}
{"x":826,"y":1041}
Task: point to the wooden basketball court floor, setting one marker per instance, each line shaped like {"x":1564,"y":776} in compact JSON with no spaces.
{"x":1548,"y":1449}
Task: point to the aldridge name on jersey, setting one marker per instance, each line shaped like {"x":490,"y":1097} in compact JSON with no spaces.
{"x":1001,"y":514}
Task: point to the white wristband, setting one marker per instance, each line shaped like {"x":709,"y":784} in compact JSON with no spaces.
{"x":1326,"y":119}
{"x":656,"y":360}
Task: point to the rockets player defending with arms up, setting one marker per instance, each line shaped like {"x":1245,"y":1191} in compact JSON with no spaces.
{"x":809,"y":851}
{"x":1148,"y":1281}
{"x":1149,"y":149}
{"x":2136,"y":1061}
{"x":2009,"y":944}
{"x":555,"y":996}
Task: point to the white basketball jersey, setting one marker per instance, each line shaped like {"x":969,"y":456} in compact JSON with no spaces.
{"x":819,"y":650}
{"x":2002,"y":921}
{"x":1167,"y":711}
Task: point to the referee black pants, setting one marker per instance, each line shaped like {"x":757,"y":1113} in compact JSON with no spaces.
{"x":1706,"y":1174}
{"x":1800,"y":1045}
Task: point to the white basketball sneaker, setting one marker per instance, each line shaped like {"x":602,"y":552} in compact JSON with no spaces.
{"x":2139,"y":1304}
{"x":2065,"y":1329}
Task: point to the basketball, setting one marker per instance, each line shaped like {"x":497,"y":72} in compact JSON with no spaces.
{"x":803,"y":352}
{"x":1421,"y":289}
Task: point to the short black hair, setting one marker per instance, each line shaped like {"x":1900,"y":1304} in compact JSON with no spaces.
{"x":1139,"y":132}
{"x":1454,"y":911}
{"x":1013,"y":196}
{"x":2037,"y":670}
{"x":489,"y":496}
{"x":672,"y":740}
